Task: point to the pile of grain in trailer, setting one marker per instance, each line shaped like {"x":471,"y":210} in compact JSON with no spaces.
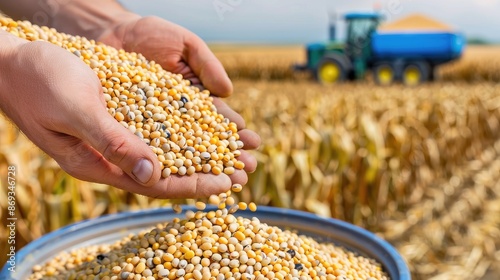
{"x":415,"y":22}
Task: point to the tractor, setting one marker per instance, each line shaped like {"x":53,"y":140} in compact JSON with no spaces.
{"x":408,"y":56}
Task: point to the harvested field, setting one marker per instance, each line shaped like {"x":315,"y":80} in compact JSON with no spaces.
{"x":478,"y":64}
{"x":260,"y":62}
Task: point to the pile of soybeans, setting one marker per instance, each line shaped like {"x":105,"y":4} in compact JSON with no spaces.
{"x":177,"y":120}
{"x":181,"y":125}
{"x":212,"y":245}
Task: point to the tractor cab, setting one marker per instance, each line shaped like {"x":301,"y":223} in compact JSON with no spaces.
{"x":360,"y":27}
{"x":337,"y":61}
{"x":350,"y":61}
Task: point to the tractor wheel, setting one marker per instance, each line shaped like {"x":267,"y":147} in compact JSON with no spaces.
{"x":331,"y":70}
{"x":384,"y":74}
{"x":415,"y":73}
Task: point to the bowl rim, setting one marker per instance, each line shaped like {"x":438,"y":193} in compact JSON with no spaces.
{"x":394,"y":264}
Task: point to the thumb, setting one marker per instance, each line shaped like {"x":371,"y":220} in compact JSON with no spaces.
{"x":122,"y":148}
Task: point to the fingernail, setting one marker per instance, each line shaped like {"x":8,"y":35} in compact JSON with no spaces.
{"x":143,"y":170}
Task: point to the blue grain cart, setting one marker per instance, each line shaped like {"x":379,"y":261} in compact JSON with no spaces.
{"x":410,"y":56}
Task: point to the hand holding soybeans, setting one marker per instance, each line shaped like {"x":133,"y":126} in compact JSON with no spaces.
{"x":180,"y":51}
{"x":61,"y":108}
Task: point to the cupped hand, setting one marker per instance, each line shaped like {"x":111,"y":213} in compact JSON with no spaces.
{"x":57,"y":101}
{"x":180,"y":51}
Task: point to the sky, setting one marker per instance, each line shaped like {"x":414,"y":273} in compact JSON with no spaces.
{"x":301,"y":21}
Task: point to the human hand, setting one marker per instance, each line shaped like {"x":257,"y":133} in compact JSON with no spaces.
{"x":61,"y":109}
{"x":180,"y":51}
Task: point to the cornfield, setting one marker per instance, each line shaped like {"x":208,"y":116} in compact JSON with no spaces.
{"x":419,"y":166}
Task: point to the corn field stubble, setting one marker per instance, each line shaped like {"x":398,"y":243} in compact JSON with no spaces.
{"x":419,"y":166}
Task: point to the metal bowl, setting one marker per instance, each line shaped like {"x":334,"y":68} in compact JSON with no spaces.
{"x":110,"y":228}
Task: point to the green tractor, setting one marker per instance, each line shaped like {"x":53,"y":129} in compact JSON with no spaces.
{"x":409,"y":56}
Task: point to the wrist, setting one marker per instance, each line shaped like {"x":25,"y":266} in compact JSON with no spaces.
{"x":92,"y":19}
{"x":8,"y":50}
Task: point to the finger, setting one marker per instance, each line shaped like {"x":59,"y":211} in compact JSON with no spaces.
{"x":249,"y":160}
{"x":207,"y":67}
{"x":82,"y":161}
{"x":176,"y":186}
{"x":250,"y":139}
{"x":120,"y":147}
{"x":226,"y":111}
{"x":85,"y":163}
{"x":239,"y":177}
{"x":192,"y":186}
